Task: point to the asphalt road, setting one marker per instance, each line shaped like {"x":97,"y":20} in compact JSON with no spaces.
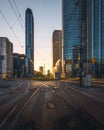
{"x":50,"y":105}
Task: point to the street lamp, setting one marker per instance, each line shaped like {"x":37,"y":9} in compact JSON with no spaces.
{"x":80,"y":66}
{"x":77,"y":52}
{"x":75,"y":59}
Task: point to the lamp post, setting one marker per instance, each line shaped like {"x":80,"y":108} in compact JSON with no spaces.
{"x":75,"y":59}
{"x":78,"y":56}
{"x":80,"y":66}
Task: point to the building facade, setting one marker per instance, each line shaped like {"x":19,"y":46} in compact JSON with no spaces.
{"x":83,"y":36}
{"x":29,"y":25}
{"x":6,"y":57}
{"x":74,"y":35}
{"x":19,"y":65}
{"x":96,"y":35}
{"x":57,"y":46}
{"x":57,"y":51}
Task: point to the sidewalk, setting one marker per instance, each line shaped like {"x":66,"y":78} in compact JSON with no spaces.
{"x":98,"y":82}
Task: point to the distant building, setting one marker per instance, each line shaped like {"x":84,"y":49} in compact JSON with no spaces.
{"x":57,"y":46}
{"x":41,"y":69}
{"x":48,"y":72}
{"x":57,"y":69}
{"x":6,"y":57}
{"x":29,"y":35}
{"x":19,"y":65}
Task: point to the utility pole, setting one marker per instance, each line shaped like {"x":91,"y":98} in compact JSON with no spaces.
{"x":81,"y":67}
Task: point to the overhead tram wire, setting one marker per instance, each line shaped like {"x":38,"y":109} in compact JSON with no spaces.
{"x":19,"y":14}
{"x":10,"y":28}
{"x":16,"y":15}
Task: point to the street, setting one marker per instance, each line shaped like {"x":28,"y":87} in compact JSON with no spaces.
{"x":51,"y":105}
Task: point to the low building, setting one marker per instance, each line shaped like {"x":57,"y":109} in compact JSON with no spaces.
{"x":19,"y":65}
{"x":6,"y":58}
{"x":57,"y":70}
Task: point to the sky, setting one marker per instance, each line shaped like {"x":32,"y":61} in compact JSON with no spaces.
{"x":47,"y":18}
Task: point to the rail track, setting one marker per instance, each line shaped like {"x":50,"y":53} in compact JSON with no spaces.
{"x":93,"y":94}
{"x":51,"y":94}
{"x":91,"y":121}
{"x":68,"y":97}
{"x":12,"y":118}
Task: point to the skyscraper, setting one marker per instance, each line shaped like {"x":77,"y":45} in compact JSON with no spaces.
{"x":57,"y":52}
{"x":29,"y":50}
{"x":57,"y":46}
{"x":74,"y":33}
{"x":96,"y":34}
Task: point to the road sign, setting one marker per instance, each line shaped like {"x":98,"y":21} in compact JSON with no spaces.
{"x":92,"y":66}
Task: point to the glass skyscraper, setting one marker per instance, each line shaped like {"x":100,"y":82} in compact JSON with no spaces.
{"x":29,"y":50}
{"x":74,"y":33}
{"x":83,"y":36}
{"x":96,"y":34}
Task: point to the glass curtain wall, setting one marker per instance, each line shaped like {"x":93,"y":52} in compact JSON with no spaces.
{"x":74,"y":33}
{"x":96,"y":39}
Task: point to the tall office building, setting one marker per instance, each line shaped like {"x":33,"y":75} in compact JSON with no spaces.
{"x":29,"y":25}
{"x":57,"y":52}
{"x":57,"y":46}
{"x":96,"y":34}
{"x":74,"y":34}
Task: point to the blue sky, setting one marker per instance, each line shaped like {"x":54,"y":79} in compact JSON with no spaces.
{"x":47,"y":18}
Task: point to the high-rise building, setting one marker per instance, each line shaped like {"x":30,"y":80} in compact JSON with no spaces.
{"x":29,"y":24}
{"x":6,"y":57}
{"x":57,"y":52}
{"x":74,"y":34}
{"x":96,"y":34}
{"x":57,"y":46}
{"x":83,"y":36}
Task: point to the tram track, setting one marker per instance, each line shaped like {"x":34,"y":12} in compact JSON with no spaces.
{"x":81,"y":112}
{"x":94,"y":95}
{"x":80,"y":109}
{"x":13,"y":96}
{"x":12,"y":88}
{"x":12,"y":118}
{"x":49,"y":106}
